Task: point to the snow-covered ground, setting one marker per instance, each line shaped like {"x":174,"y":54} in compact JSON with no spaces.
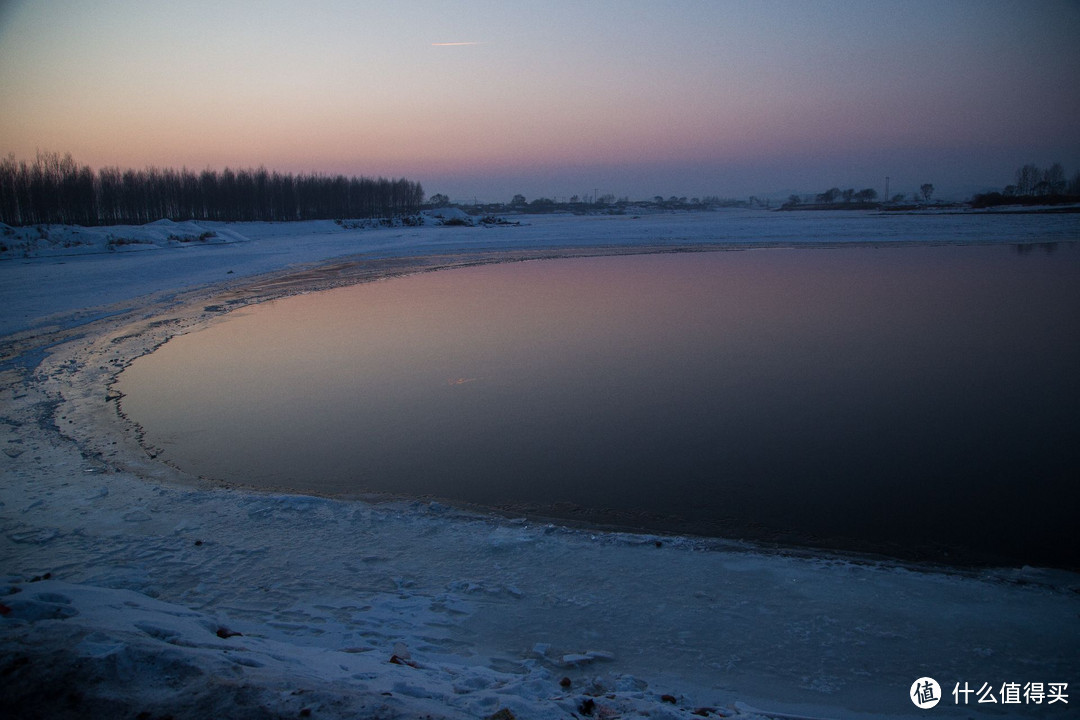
{"x":126,"y":588}
{"x":41,"y":277}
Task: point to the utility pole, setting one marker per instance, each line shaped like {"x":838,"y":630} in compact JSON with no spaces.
{"x":886,"y":188}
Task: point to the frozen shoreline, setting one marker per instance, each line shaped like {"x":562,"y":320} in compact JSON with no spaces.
{"x":481,"y":613}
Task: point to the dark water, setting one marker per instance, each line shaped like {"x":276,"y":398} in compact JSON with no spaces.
{"x":917,"y":401}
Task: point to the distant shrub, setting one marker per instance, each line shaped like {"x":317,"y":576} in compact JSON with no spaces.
{"x":989,"y":199}
{"x":495,"y":220}
{"x":203,"y":237}
{"x":994,"y":199}
{"x":114,"y":242}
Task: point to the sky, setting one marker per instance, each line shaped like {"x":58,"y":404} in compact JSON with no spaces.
{"x":485,"y":100}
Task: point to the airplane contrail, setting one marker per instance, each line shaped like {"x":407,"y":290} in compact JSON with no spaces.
{"x":451,"y":44}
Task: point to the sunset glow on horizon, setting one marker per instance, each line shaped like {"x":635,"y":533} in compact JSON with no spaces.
{"x":631,"y":98}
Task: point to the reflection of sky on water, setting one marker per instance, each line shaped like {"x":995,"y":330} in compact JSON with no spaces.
{"x":911,"y":395}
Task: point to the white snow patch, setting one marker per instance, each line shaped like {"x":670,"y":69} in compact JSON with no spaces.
{"x":447,"y":213}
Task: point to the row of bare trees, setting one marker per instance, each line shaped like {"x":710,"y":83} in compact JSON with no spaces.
{"x":1034,"y":186}
{"x":1035,"y":181}
{"x":55,"y":189}
{"x":830,"y":196}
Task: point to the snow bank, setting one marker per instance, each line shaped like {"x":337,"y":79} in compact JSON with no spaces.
{"x":166,"y":659}
{"x":67,"y":240}
{"x":47,"y":280}
{"x":448,"y":213}
{"x":127,"y":588}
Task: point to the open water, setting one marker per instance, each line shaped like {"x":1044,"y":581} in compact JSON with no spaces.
{"x":921,"y":402}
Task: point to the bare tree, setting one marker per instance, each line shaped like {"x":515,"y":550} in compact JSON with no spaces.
{"x":1027,"y":178}
{"x":829,"y":196}
{"x":1055,"y":179}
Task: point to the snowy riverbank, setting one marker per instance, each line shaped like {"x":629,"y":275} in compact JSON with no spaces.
{"x":131,"y":589}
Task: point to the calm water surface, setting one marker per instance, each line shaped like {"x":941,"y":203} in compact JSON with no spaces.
{"x":918,"y":401}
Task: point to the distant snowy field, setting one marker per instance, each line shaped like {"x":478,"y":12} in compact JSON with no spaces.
{"x":126,"y":588}
{"x":77,"y":268}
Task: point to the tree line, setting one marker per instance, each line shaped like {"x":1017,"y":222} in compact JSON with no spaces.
{"x":1033,"y":180}
{"x":1034,"y":186}
{"x":55,"y":189}
{"x":860,"y":199}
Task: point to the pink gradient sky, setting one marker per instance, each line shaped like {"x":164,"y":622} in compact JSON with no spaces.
{"x":554,"y":98}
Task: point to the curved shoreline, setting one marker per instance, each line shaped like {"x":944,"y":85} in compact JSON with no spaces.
{"x":113,"y":526}
{"x":122,"y":335}
{"x":116,"y":335}
{"x":943,"y":557}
